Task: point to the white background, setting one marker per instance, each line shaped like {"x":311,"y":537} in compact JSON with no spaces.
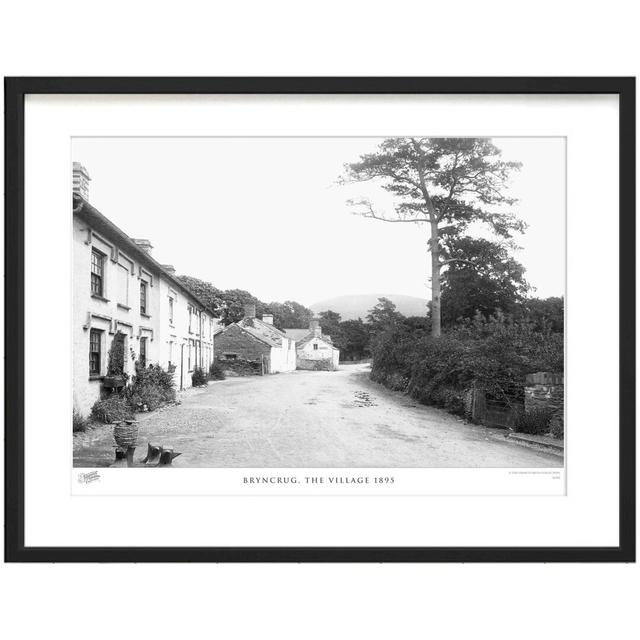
{"x":400,"y":38}
{"x":586,"y":516}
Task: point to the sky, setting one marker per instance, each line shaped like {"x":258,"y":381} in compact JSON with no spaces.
{"x":268,"y":215}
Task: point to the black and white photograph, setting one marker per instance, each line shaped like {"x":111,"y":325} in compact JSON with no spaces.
{"x":318,"y":302}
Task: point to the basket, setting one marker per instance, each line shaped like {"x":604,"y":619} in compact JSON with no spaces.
{"x":125,"y":433}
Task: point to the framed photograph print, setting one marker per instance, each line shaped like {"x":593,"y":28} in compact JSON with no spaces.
{"x":320,"y":319}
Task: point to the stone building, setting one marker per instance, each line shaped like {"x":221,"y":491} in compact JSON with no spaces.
{"x":122,"y":294}
{"x":314,"y":350}
{"x":255,"y":341}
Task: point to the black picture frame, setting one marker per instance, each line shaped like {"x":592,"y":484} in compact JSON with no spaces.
{"x":15,"y":91}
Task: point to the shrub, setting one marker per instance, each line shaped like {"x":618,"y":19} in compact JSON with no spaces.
{"x":496,"y":354}
{"x":80,"y":423}
{"x":113,"y":408}
{"x":216,"y":372}
{"x":148,"y":395}
{"x":152,"y":386}
{"x":115,"y":362}
{"x":557,"y":425}
{"x":155,"y":376}
{"x":198,"y":379}
{"x":535,"y":422}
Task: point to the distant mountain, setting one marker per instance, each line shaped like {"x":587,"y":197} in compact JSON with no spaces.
{"x":358,"y":306}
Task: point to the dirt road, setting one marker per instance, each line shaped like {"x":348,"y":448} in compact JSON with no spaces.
{"x":311,"y":419}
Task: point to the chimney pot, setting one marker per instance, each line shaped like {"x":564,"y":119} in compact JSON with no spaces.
{"x":314,"y":327}
{"x":143,"y":244}
{"x":81,"y":181}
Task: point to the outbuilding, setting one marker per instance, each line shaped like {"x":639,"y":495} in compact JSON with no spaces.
{"x":256,"y":342}
{"x":314,"y":350}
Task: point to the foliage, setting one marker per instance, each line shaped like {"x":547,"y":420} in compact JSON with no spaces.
{"x":557,"y":425}
{"x":80,"y":423}
{"x":546,"y":314}
{"x":216,"y":372}
{"x":198,"y":377}
{"x":496,"y":353}
{"x":447,"y":183}
{"x":534,"y":422}
{"x":350,"y":336}
{"x":113,"y":408}
{"x":353,"y":337}
{"x":383,"y":316}
{"x":229,"y":305}
{"x":483,"y":277}
{"x":115,"y":365}
{"x":212,"y":297}
{"x":234,"y":303}
{"x":156,"y":376}
{"x":288,"y":314}
{"x":152,"y":386}
{"x":147,"y":396}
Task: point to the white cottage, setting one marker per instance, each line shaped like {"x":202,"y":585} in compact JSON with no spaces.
{"x":314,"y":350}
{"x":122,"y":294}
{"x":256,"y":341}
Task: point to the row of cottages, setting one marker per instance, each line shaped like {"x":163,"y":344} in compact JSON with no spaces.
{"x":314,"y":350}
{"x":122,"y":294}
{"x":256,"y":340}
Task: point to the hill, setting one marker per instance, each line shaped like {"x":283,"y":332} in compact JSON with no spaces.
{"x":358,"y":306}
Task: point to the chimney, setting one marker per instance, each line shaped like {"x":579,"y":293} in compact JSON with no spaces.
{"x":314,"y":327}
{"x":170,"y":269}
{"x":143,"y":244}
{"x":249,"y":310}
{"x":81,"y":181}
{"x":267,"y":318}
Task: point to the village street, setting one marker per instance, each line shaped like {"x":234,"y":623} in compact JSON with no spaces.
{"x":311,"y":419}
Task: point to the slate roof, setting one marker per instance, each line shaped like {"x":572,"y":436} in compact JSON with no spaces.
{"x":296,"y":334}
{"x":263,"y":331}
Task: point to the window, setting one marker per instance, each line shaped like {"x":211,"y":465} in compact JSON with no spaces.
{"x":143,"y":297}
{"x":171,"y":310}
{"x":315,"y":346}
{"x":95,"y":340}
{"x":190,"y":315}
{"x":97,"y":273}
{"x":143,"y":352}
{"x":230,"y":356}
{"x":189,"y":351}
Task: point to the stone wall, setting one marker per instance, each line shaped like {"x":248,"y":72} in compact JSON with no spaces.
{"x":233,"y":340}
{"x":545,"y":391}
{"x":326,"y":364}
{"x":241,"y":367}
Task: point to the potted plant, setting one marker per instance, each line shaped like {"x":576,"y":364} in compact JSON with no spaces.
{"x":116,"y":377}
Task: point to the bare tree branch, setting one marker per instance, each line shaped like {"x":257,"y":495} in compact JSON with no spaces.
{"x":370,"y":213}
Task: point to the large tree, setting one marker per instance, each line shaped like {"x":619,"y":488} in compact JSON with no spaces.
{"x":486,"y":278}
{"x":445,"y":183}
{"x":210,"y":295}
{"x":354,"y":340}
{"x":383,"y":316}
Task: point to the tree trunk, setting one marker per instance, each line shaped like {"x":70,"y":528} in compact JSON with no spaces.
{"x":435,"y":282}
